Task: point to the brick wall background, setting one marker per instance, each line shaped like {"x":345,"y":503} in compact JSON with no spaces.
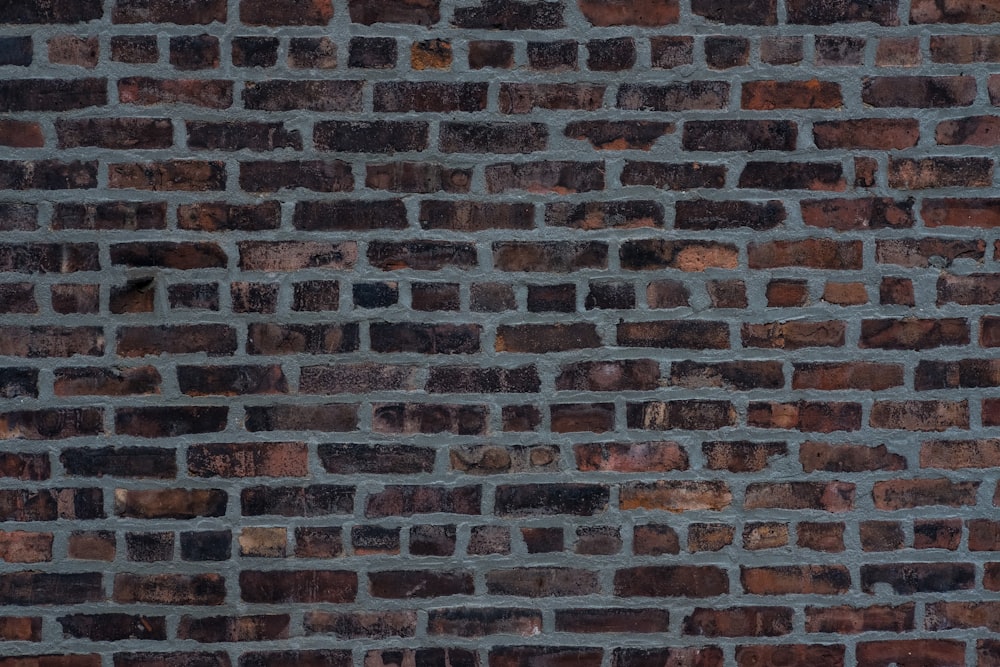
{"x":514,"y":334}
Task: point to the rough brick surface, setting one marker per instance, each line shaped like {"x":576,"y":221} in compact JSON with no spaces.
{"x":499,"y":333}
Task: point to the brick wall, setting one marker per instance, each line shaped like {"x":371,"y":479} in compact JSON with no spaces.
{"x":508,"y":333}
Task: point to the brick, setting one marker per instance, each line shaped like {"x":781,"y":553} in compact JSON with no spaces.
{"x":689,"y":334}
{"x":910,"y":174}
{"x":21,"y":628}
{"x":674,"y":176}
{"x":739,"y":622}
{"x":854,"y":214}
{"x":285,"y":12}
{"x":311,"y":53}
{"x":882,"y":12}
{"x":645,"y":14}
{"x":20,"y":546}
{"x":903,"y":494}
{"x":964,"y":49}
{"x":314,"y":175}
{"x":969,"y":131}
{"x":520,"y":98}
{"x":410,"y":500}
{"x":146,"y":462}
{"x":314,"y":658}
{"x":49,"y":257}
{"x":16,"y":51}
{"x":372,"y":625}
{"x":868,"y":376}
{"x":370,"y":136}
{"x":48,"y":175}
{"x":175,"y":589}
{"x":826,"y":496}
{"x":330,"y":417}
{"x":323,"y":96}
{"x":510,"y":15}
{"x":299,"y":586}
{"x":813,"y":654}
{"x":18,"y":216}
{"x":403,"y":584}
{"x":295,"y":255}
{"x":796,"y":579}
{"x":274,"y":459}
{"x":539,"y":500}
{"x":254,"y":51}
{"x":422,"y":12}
{"x":741,"y":456}
{"x":25,"y":466}
{"x":309,"y":501}
{"x":667,"y":52}
{"x":52,"y":94}
{"x":220,"y":216}
{"x":684,"y":414}
{"x":867,"y":133}
{"x":211,"y":629}
{"x":745,"y":12}
{"x":902,"y":652}
{"x":806,"y":253}
{"x":431,"y":54}
{"x":147,"y":91}
{"x":429,"y":96}
{"x":184,"y":12}
{"x":823,"y":176}
{"x":355,"y":378}
{"x":951,"y":11}
{"x":811,"y":94}
{"x":557,"y":56}
{"x":916,"y":334}
{"x":61,"y":11}
{"x":793,"y":335}
{"x":958,"y":454}
{"x":918,"y":91}
{"x":432,"y":540}
{"x":182,"y":175}
{"x":671,"y":581}
{"x":679,"y":496}
{"x":781,"y":50}
{"x":708,"y":656}
{"x":739,"y":135}
{"x":51,"y":424}
{"x":372,"y":52}
{"x":702,"y":215}
{"x":618,"y":135}
{"x":474,"y":216}
{"x":117,"y":215}
{"x":737,"y":375}
{"x":829,"y":457}
{"x":840,"y":51}
{"x":612,"y":620}
{"x":611,"y":55}
{"x":689,"y":96}
{"x":811,"y":416}
{"x":16,"y":382}
{"x":724,"y":52}
{"x":878,"y":536}
{"x":972,"y":212}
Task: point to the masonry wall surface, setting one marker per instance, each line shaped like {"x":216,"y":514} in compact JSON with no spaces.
{"x":511,"y":334}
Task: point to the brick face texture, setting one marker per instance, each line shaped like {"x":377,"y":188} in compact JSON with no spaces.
{"x":499,"y":333}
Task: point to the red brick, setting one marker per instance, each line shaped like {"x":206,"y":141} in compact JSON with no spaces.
{"x":911,"y":653}
{"x":757,"y":621}
{"x":826,"y":496}
{"x":671,"y":581}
